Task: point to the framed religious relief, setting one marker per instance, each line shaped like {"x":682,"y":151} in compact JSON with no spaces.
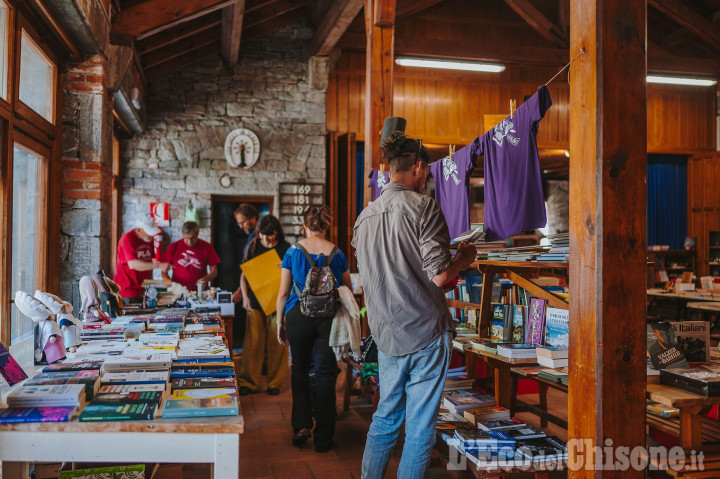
{"x":242,"y":148}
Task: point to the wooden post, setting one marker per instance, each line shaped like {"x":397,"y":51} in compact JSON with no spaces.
{"x":378,"y":75}
{"x":608,"y":131}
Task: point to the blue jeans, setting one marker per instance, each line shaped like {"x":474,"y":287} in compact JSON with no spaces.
{"x":410,"y":390}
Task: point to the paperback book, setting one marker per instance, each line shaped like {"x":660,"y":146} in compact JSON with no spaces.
{"x":662,"y":347}
{"x":543,"y":449}
{"x":135,"y":377}
{"x":66,"y":395}
{"x":73,"y":366}
{"x":557,"y":328}
{"x":36,"y":414}
{"x":693,"y":340}
{"x":206,"y":407}
{"x":480,"y":440}
{"x":486,"y":413}
{"x":204,"y":393}
{"x":202,"y":372}
{"x":517,"y":351}
{"x":198,"y":383}
{"x":9,"y":368}
{"x":497,"y":324}
{"x":128,"y":397}
{"x":501,"y":424}
{"x":89,"y":377}
{"x":536,"y":322}
{"x":131,"y":388}
{"x":458,"y":404}
{"x":118,"y":411}
{"x":519,"y":319}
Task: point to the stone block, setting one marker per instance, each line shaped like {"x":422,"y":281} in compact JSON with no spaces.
{"x":80,"y":223}
{"x":239,"y":109}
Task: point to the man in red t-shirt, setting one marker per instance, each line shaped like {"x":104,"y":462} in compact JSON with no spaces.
{"x":190,"y":258}
{"x":135,"y":259}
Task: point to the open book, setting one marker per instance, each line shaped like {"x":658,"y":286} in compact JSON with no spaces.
{"x":474,"y":235}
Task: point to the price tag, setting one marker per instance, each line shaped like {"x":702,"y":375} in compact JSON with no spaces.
{"x":294,"y":200}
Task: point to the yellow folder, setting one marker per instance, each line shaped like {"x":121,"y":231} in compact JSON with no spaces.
{"x":263,"y":276}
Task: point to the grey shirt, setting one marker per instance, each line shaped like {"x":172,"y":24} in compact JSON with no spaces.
{"x":402,"y":242}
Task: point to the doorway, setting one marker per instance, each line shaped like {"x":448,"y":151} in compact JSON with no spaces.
{"x":229,"y":241}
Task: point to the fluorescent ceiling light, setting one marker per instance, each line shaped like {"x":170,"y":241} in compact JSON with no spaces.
{"x":681,"y":81}
{"x":450,"y":65}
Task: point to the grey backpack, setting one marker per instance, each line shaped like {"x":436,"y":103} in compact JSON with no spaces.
{"x":319,"y":298}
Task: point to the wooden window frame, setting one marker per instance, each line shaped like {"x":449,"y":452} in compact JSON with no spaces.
{"x":19,"y":123}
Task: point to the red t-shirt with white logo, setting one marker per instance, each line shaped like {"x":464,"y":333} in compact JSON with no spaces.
{"x":131,"y":247}
{"x":189,"y":263}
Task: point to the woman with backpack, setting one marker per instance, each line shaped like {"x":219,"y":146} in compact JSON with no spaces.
{"x":307,"y":301}
{"x":260,"y":330}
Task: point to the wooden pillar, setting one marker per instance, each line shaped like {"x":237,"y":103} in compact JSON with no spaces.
{"x":380,"y":31}
{"x":608,"y":131}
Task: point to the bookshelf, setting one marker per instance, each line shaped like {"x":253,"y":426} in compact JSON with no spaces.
{"x":714,"y":253}
{"x":671,"y":262}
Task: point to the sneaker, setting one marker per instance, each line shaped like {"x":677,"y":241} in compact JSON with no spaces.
{"x":244,"y":391}
{"x":273,"y":391}
{"x":301,"y":436}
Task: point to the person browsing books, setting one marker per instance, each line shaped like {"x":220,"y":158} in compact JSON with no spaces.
{"x":402,"y":247}
{"x":135,"y":259}
{"x":246,"y":216}
{"x":191,"y":259}
{"x":309,"y":337}
{"x":261,"y":330}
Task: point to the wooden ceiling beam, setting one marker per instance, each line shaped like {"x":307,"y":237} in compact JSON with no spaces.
{"x":271,"y":10}
{"x":154,"y":16}
{"x":182,"y":61}
{"x":180,"y":48}
{"x":180,"y":32}
{"x":539,"y":22}
{"x":332,"y":27}
{"x":232,"y":23}
{"x":274,"y":23}
{"x":659,"y":60}
{"x":696,"y":23}
{"x":415,"y":6}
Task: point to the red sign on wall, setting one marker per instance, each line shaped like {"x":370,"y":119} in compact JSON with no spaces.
{"x":161,"y":213}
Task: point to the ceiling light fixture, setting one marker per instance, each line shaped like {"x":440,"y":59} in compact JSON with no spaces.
{"x":451,"y":65}
{"x":681,"y":81}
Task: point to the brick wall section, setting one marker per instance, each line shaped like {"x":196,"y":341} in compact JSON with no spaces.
{"x":190,"y":113}
{"x":85,"y":211}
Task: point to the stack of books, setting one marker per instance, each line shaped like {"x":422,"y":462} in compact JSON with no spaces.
{"x":486,"y":413}
{"x":458,"y":401}
{"x":124,"y":405}
{"x":517,"y":351}
{"x":457,"y":380}
{"x":559,"y":376}
{"x":552,"y":357}
{"x":545,"y":449}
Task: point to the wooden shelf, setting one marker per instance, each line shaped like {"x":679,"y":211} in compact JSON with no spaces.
{"x":521,"y":264}
{"x":454,"y":303}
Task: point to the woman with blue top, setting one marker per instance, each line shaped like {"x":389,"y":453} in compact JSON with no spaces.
{"x":305,"y":334}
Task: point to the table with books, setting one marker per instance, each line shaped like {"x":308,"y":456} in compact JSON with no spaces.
{"x":492,"y":443}
{"x":164,"y":391}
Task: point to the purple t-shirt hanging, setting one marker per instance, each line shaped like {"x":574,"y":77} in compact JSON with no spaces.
{"x":378,"y":180}
{"x":451,"y":188}
{"x":514,"y":199}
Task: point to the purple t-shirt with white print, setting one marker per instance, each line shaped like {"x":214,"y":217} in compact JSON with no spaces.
{"x":514,"y":200}
{"x":378,"y":180}
{"x":451,"y":188}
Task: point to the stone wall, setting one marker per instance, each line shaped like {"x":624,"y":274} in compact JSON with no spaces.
{"x":85,"y":208}
{"x":190,"y":113}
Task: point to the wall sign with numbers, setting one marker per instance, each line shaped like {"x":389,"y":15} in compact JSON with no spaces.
{"x":294,"y":200}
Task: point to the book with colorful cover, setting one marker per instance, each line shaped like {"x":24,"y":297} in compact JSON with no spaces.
{"x":478,"y":439}
{"x":199,"y":383}
{"x":527,"y":432}
{"x":536,"y":322}
{"x":128,"y":397}
{"x":202,"y":372}
{"x":73,"y":366}
{"x":206,"y":407}
{"x":662,"y":347}
{"x":9,"y":368}
{"x":36,"y":414}
{"x":64,"y":395}
{"x":550,"y":447}
{"x":224,"y":365}
{"x":114,"y":472}
{"x":497,"y":322}
{"x":660,"y":410}
{"x":519,"y":315}
{"x":204,"y":393}
{"x":557,"y":328}
{"x":89,"y":377}
{"x":501,"y":424}
{"x":131,"y":388}
{"x":135,"y":377}
{"x":118,"y":411}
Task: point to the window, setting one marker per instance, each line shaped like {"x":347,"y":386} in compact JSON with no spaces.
{"x":4,"y":48}
{"x":29,"y":190}
{"x":37,"y":79}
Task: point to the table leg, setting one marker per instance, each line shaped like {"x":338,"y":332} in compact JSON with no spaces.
{"x":690,"y":427}
{"x":503,"y":387}
{"x":15,"y":470}
{"x":542,"y":399}
{"x":348,"y":385}
{"x":227,"y":452}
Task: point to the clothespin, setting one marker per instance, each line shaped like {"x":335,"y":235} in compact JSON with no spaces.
{"x":451,"y":151}
{"x":382,"y":167}
{"x":513,"y":107}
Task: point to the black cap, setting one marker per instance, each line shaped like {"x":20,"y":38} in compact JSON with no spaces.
{"x":392,"y":123}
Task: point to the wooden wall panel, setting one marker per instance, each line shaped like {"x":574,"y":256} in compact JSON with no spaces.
{"x":703,"y":204}
{"x":448,"y":107}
